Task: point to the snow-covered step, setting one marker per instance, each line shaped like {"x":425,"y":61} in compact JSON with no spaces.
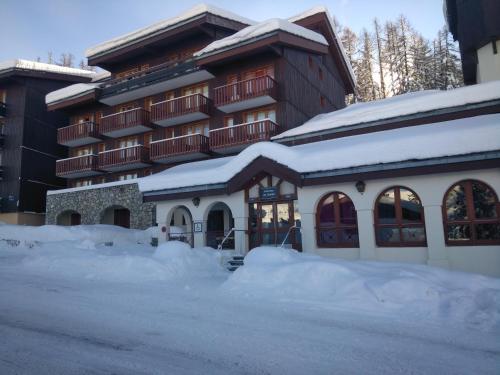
{"x":235,"y":262}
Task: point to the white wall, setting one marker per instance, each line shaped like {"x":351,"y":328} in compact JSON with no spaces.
{"x":488,"y":67}
{"x":430,"y":189}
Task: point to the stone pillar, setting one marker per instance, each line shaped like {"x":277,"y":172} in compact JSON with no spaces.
{"x":308,"y":232}
{"x":366,"y":232}
{"x":240,"y":235}
{"x":436,"y":247}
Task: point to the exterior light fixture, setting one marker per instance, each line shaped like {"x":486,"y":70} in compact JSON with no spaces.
{"x":360,"y":186}
{"x":196,"y":201}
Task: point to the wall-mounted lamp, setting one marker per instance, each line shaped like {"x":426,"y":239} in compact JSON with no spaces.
{"x":360,"y":186}
{"x":196,"y":201}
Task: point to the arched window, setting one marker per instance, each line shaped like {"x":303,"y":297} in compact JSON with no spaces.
{"x":399,"y":218}
{"x":471,"y":214}
{"x":337,"y":225}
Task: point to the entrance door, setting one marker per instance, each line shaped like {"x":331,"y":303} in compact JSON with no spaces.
{"x":122,"y":217}
{"x":75,"y":219}
{"x":270,"y":223}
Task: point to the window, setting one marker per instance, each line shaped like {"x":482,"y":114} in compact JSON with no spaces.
{"x":310,"y":61}
{"x":322,"y":101}
{"x":320,"y":73}
{"x":471,"y":214}
{"x":399,"y":218}
{"x":336,"y":221}
{"x":128,"y":176}
{"x":80,"y":183}
{"x":82,"y":151}
{"x":128,"y":142}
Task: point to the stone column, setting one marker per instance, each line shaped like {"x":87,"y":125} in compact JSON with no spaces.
{"x":240,"y":235}
{"x":436,"y":247}
{"x":308,"y":232}
{"x":366,"y":232}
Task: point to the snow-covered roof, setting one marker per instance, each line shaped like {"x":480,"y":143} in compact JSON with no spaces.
{"x":90,"y":187}
{"x":260,"y":29}
{"x":163,"y":25}
{"x":323,"y":9}
{"x":73,"y":91}
{"x":20,"y":64}
{"x":450,"y":138}
{"x":401,"y":105}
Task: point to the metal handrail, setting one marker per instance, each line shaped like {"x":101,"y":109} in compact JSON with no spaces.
{"x":287,"y":234}
{"x":219,"y":247}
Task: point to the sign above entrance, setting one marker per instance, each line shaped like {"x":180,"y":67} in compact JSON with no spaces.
{"x":268,"y":193}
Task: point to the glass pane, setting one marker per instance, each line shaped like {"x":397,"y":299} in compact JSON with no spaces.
{"x":253,"y":216}
{"x":349,"y":235}
{"x":413,"y":234}
{"x":267,"y":216}
{"x":459,"y":232}
{"x":386,"y":208}
{"x":456,"y":208}
{"x":484,"y":201}
{"x":328,"y":236}
{"x":411,"y":208}
{"x":326,"y":213}
{"x":388,"y":234}
{"x":283,"y":215}
{"x":347,"y":210}
{"x":268,"y":239}
{"x":296,"y":215}
{"x":488,"y":231}
{"x":280,"y":237}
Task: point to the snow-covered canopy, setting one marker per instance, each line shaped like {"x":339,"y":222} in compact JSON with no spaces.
{"x":260,"y":29}
{"x":163,"y":25}
{"x":450,"y":138}
{"x":73,"y":91}
{"x":401,"y":105}
{"x":20,"y":64}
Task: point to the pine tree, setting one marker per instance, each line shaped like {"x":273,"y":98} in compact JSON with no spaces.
{"x":380,"y":57}
{"x":367,"y":88}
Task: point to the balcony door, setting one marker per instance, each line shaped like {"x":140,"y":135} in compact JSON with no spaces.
{"x":257,"y":118}
{"x":193,"y":102}
{"x":253,"y":86}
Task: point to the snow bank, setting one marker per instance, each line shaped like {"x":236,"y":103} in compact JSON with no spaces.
{"x":406,"y":290}
{"x":43,"y":67}
{"x":470,"y":135}
{"x":401,"y":105}
{"x":195,"y":11}
{"x":266,"y":27}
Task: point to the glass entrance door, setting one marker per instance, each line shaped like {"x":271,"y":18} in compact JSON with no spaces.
{"x":270,"y":223}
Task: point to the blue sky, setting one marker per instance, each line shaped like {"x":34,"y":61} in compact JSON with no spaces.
{"x":35,"y":27}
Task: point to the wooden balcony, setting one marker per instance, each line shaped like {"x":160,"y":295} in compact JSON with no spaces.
{"x":121,"y":124}
{"x":79,"y":134}
{"x":187,"y":147}
{"x":78,"y":166}
{"x":3,"y":110}
{"x":250,"y":93}
{"x":181,"y":110}
{"x":122,"y":159}
{"x":232,"y":139}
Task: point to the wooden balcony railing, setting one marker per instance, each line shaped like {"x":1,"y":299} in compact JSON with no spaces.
{"x":243,"y":133}
{"x":184,"y":105}
{"x":193,"y":143}
{"x":77,"y":164}
{"x":245,"y":90}
{"x":77,"y":131}
{"x":123,"y":156}
{"x":123,"y":120}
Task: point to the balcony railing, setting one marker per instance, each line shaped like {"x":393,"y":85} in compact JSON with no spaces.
{"x":242,"y":134}
{"x":124,"y":158}
{"x":254,"y":91}
{"x":124,"y":123}
{"x":78,"y":134}
{"x":78,"y":166}
{"x":182,"y":148}
{"x":3,"y":109}
{"x":184,"y":109}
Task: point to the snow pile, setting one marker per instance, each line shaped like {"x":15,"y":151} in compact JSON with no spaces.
{"x":470,"y":135}
{"x":401,"y":105}
{"x":42,"y":67}
{"x":163,"y":25}
{"x":78,"y":89}
{"x":81,"y":233}
{"x":404,"y":290}
{"x":263,"y":28}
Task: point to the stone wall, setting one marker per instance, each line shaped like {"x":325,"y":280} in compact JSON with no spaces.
{"x":92,"y":203}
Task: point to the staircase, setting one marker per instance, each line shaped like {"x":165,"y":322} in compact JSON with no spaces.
{"x":235,"y":262}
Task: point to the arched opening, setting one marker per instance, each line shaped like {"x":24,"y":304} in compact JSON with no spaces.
{"x":180,"y":225}
{"x":471,"y":214}
{"x":116,"y":215}
{"x":399,"y":218}
{"x":336,"y":221}
{"x":219,"y":222}
{"x":69,"y":218}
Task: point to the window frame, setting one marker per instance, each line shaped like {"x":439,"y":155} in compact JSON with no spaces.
{"x":471,"y":212}
{"x":399,"y":220}
{"x":338,"y":226}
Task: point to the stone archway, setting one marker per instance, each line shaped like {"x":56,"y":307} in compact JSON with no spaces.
{"x":180,"y":225}
{"x":69,"y":218}
{"x":116,"y":215}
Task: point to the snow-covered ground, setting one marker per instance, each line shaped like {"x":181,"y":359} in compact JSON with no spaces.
{"x":70,"y":303}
